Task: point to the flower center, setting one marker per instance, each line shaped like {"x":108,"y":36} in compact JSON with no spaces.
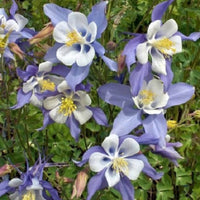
{"x":3,"y":42}
{"x":146,"y":97}
{"x":164,"y":45}
{"x":120,"y":165}
{"x":46,"y":85}
{"x":30,"y":195}
{"x":67,"y":106}
{"x":74,"y":38}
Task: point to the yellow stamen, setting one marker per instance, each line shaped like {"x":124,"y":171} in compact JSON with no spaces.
{"x":30,"y":195}
{"x":164,"y":45}
{"x":171,"y":124}
{"x":3,"y":42}
{"x":74,"y":38}
{"x":146,"y":96}
{"x":120,"y":165}
{"x":67,"y":106}
{"x":47,"y":85}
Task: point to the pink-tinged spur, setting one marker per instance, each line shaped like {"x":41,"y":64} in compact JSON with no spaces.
{"x":117,"y":161}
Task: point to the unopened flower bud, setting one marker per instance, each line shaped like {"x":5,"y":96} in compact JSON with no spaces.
{"x":80,"y":184}
{"x":121,"y":63}
{"x":171,"y":124}
{"x":44,"y":33}
{"x":5,"y":169}
{"x":111,"y":45}
{"x":16,"y":49}
{"x":196,"y":114}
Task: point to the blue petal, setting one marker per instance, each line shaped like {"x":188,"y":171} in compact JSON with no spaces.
{"x":53,"y":192}
{"x":138,"y":75}
{"x":97,"y":182}
{"x":4,"y":188}
{"x":179,"y":93}
{"x":31,"y":70}
{"x":125,"y":188}
{"x":130,"y":49}
{"x":160,"y":9}
{"x":167,"y":79}
{"x":126,"y":121}
{"x":73,"y":125}
{"x":99,"y":116}
{"x":61,"y":70}
{"x":51,"y":54}
{"x":99,"y":49}
{"x":46,"y":121}
{"x":148,"y":169}
{"x":77,"y":75}
{"x":22,"y":99}
{"x":88,"y":153}
{"x":56,"y":13}
{"x":156,"y":126}
{"x":193,"y":36}
{"x":13,"y":8}
{"x":116,"y":94}
{"x":98,"y":16}
{"x":110,"y":63}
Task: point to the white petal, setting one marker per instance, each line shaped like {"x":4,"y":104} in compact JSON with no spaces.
{"x":35,"y":101}
{"x":60,"y":32}
{"x":78,"y":21}
{"x":45,"y":66}
{"x":129,"y":147}
{"x":82,"y":115}
{"x":29,"y":85}
{"x":112,"y":177}
{"x":57,"y":116}
{"x":178,"y":43}
{"x":98,"y":161}
{"x":11,"y":25}
{"x":55,"y":79}
{"x":85,"y":56}
{"x":142,"y":52}
{"x":84,"y":98}
{"x":15,"y":182}
{"x":153,"y":29}
{"x":168,"y":29}
{"x":161,"y":101}
{"x":14,"y":196}
{"x":21,"y":20}
{"x":92,"y":32}
{"x":134,"y":168}
{"x":67,"y":55}
{"x":158,"y":62}
{"x":62,"y":86}
{"x":152,"y":111}
{"x":155,"y":86}
{"x":110,"y":144}
{"x":51,"y":102}
{"x":35,"y":185}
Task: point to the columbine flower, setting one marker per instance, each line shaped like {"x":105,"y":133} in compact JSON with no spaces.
{"x":38,"y":81}
{"x":75,"y":36}
{"x":117,"y":161}
{"x":71,"y":108}
{"x":161,"y":41}
{"x":144,"y":105}
{"x":11,"y":29}
{"x":30,"y":185}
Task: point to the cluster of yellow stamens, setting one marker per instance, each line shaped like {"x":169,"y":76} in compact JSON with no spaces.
{"x":164,"y":45}
{"x":146,"y":96}
{"x":120,"y":165}
{"x":3,"y":42}
{"x":74,"y":38}
{"x":46,"y":85}
{"x":67,"y":106}
{"x":30,"y":195}
{"x":171,"y":124}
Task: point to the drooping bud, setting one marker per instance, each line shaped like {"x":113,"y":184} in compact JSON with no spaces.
{"x":121,"y":63}
{"x":80,"y":183}
{"x":44,"y":33}
{"x":111,"y":46}
{"x":16,"y":49}
{"x":5,"y":169}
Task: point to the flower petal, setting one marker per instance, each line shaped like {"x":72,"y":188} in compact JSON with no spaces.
{"x":51,"y":102}
{"x":153,"y":29}
{"x":82,"y":115}
{"x":129,"y":147}
{"x":15,"y":182}
{"x":21,"y":21}
{"x":110,"y":144}
{"x":99,"y":161}
{"x":142,"y":53}
{"x":168,"y":29}
{"x":84,"y":98}
{"x":134,"y":168}
{"x":45,"y":66}
{"x":57,"y":116}
{"x":112,"y":177}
